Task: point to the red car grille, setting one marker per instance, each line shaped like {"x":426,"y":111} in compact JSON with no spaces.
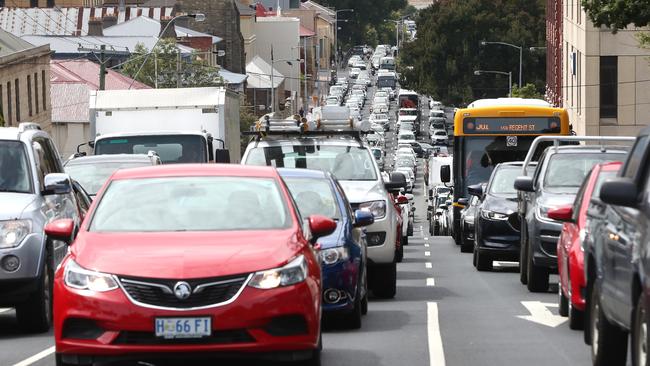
{"x":204,"y":292}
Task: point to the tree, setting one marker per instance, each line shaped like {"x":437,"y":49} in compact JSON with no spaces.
{"x":162,"y":65}
{"x":618,"y":14}
{"x":442,"y":60}
{"x":527,"y":91}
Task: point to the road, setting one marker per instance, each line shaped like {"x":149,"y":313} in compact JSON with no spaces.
{"x":445,"y":313}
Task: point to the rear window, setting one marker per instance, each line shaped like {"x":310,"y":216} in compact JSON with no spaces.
{"x":313,"y":197}
{"x":566,"y":172}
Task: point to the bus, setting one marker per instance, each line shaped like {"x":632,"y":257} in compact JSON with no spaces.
{"x":493,"y":131}
{"x":386,"y":79}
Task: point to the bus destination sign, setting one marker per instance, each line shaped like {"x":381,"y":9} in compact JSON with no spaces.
{"x":511,"y":125}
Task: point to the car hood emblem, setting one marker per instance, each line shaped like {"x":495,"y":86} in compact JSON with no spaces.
{"x":182,"y":290}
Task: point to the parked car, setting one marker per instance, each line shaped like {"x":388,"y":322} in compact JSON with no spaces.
{"x":570,"y":251}
{"x":467,"y":222}
{"x":440,"y":137}
{"x":497,"y":220}
{"x":354,"y":72}
{"x":354,"y":166}
{"x":617,"y":279}
{"x":93,"y":171}
{"x":149,"y":297}
{"x":343,"y":254}
{"x":34,"y":190}
{"x":559,"y":174}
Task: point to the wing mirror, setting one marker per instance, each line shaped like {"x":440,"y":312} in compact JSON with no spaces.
{"x":463,"y":201}
{"x":363,"y":218}
{"x":445,"y":173}
{"x":62,"y":229}
{"x":320,"y":226}
{"x":397,"y":181}
{"x":56,"y":183}
{"x":402,"y":200}
{"x":475,"y":190}
{"x":564,"y":214}
{"x":620,"y":192}
{"x":524,"y":184}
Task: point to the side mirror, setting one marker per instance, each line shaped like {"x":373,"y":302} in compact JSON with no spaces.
{"x":524,"y":184}
{"x":463,"y":201}
{"x":61,"y":229}
{"x":363,"y":218}
{"x":443,"y":207}
{"x":402,"y":200}
{"x":320,"y":226}
{"x":430,"y":192}
{"x":475,"y":190}
{"x":620,"y":192}
{"x":222,"y":156}
{"x":564,"y":214}
{"x":397,"y":181}
{"x":445,"y":173}
{"x":56,"y":183}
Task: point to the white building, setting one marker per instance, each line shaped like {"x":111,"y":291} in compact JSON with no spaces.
{"x":606,"y":76}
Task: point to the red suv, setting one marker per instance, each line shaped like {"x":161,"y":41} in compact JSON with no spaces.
{"x":200,"y":260}
{"x":570,"y":254}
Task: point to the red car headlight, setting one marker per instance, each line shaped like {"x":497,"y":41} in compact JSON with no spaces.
{"x":294,"y":272}
{"x":80,"y":278}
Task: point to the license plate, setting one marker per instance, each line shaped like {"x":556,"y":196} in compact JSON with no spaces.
{"x":183,"y":327}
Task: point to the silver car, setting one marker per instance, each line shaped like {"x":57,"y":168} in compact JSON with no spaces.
{"x":34,"y":191}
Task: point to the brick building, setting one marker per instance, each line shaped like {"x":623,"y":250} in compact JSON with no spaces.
{"x":48,"y":3}
{"x":554,"y":38}
{"x":24,"y":81}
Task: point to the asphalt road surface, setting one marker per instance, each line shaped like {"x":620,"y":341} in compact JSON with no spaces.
{"x":445,"y":313}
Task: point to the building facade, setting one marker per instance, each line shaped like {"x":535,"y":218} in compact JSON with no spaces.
{"x":24,"y":82}
{"x":48,"y":3}
{"x":605,"y":82}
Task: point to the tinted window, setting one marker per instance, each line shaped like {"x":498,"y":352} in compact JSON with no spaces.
{"x":191,"y":204}
{"x":568,"y":171}
{"x":313,"y":197}
{"x":14,"y":168}
{"x":171,"y":148}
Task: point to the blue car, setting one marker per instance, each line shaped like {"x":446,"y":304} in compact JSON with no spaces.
{"x":343,"y":253}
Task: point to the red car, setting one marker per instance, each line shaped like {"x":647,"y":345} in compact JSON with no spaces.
{"x":570,"y":255}
{"x":198,"y":260}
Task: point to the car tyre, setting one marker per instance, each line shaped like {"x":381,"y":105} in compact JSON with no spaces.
{"x":563,"y":302}
{"x":608,"y":342}
{"x":466,"y":246}
{"x":386,"y":284}
{"x":405,"y":240}
{"x":576,"y":318}
{"x":399,"y":254}
{"x":640,"y":333}
{"x":352,"y":320}
{"x":475,"y":258}
{"x":523,"y":256}
{"x":35,"y":314}
{"x":537,"y":276}
{"x":483,"y":261}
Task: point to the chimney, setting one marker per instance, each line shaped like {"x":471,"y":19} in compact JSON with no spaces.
{"x":170,"y":32}
{"x":95,"y":27}
{"x":109,"y":21}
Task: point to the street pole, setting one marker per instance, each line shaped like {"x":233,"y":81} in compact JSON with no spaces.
{"x":304,"y":99}
{"x":272,"y":85}
{"x":521,"y":58}
{"x":510,"y":84}
{"x":318,"y":72}
{"x":336,"y":39}
{"x":102,"y":67}
{"x":178,"y":69}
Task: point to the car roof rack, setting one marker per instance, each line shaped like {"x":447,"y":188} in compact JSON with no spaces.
{"x":557,"y":139}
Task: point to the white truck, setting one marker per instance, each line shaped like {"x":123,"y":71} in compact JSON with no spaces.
{"x":182,"y":125}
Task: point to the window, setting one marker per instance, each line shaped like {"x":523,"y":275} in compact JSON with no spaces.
{"x":579,"y":81}
{"x":36,"y":91}
{"x":29,"y":95}
{"x":635,"y":160}
{"x":608,"y":86}
{"x":17,"y":90}
{"x":9,"y":106}
{"x":43,"y":90}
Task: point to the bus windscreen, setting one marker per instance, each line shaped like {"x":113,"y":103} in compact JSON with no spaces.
{"x":515,"y":125}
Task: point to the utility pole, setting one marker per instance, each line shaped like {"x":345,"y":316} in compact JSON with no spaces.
{"x":178,"y":69}
{"x":102,"y":67}
{"x":305,"y":102}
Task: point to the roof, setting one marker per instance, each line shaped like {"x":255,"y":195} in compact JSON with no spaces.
{"x":183,"y":170}
{"x":244,"y":9}
{"x":70,"y":85}
{"x":68,"y":21}
{"x":301,"y":173}
{"x":306,"y":32}
{"x":11,"y":44}
{"x":508,"y":101}
{"x":145,"y":26}
{"x":159,"y":98}
{"x":259,"y":74}
{"x":232,"y":77}
{"x":323,"y":12}
{"x":94,"y":159}
{"x":71,"y":44}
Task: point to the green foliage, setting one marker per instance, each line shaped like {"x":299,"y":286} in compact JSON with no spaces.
{"x":527,"y":91}
{"x":442,"y":60}
{"x":618,"y":14}
{"x":367,"y":14}
{"x":162,"y":64}
{"x":644,"y":39}
{"x":246,"y":120}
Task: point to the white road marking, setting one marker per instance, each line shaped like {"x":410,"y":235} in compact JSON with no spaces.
{"x":540,"y":314}
{"x":4,"y":310}
{"x":436,"y":351}
{"x":37,"y":357}
{"x":427,"y":254}
{"x":426,"y":238}
{"x":426,"y":245}
{"x":431,"y":282}
{"x":428,"y":265}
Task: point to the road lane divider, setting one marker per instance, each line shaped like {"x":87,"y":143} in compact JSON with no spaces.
{"x":427,"y":254}
{"x":436,"y":350}
{"x":37,"y":357}
{"x":426,"y":245}
{"x":429,"y":265}
{"x":431,"y":282}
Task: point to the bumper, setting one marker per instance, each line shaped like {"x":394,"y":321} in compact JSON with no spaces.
{"x":498,"y":238}
{"x":343,"y":278}
{"x":29,"y":252}
{"x":107,"y":326}
{"x":385,"y":252}
{"x":543,"y":237}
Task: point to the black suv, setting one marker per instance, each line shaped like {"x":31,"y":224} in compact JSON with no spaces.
{"x":617,"y":280}
{"x":559,"y":174}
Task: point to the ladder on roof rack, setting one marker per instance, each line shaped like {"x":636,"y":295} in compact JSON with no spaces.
{"x":557,"y":139}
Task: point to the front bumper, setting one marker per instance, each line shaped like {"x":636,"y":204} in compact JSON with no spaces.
{"x":543,"y":236}
{"x":382,"y":237}
{"x":342,"y":277}
{"x":283,"y":321}
{"x":497,"y":237}
{"x":16,"y":286}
